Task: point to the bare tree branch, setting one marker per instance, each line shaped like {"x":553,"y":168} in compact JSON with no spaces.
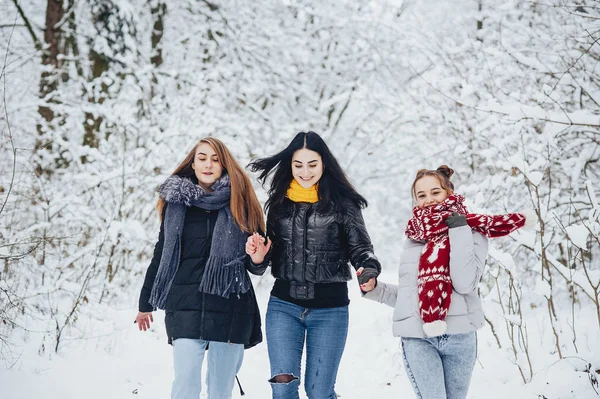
{"x":36,"y":41}
{"x":10,"y":136}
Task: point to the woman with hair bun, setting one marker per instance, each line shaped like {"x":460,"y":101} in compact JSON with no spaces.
{"x":437,"y":309}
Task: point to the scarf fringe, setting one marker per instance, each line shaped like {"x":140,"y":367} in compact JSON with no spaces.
{"x":225,"y":276}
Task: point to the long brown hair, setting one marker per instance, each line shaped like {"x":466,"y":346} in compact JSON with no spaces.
{"x":443,"y":174}
{"x":244,"y":205}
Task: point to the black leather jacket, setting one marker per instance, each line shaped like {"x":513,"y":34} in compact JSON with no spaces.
{"x":313,"y":245}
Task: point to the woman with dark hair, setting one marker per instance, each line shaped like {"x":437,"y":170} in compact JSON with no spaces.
{"x":198,"y":273}
{"x":316,"y":227}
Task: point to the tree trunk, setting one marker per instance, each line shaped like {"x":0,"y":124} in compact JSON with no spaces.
{"x":159,"y":10}
{"x":48,"y":82}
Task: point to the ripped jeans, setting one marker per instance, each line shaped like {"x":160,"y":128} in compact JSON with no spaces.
{"x":325,"y":330}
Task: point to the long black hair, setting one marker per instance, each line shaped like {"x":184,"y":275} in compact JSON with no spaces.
{"x":333,"y":185}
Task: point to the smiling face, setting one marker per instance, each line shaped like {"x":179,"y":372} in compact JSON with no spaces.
{"x":307,"y":167}
{"x":429,"y":191}
{"x":207,"y":166}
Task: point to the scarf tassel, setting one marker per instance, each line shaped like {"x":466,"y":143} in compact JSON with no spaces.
{"x":435,"y":328}
{"x":225,"y":277}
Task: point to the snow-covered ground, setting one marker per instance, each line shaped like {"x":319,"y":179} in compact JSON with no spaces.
{"x":126,"y":363}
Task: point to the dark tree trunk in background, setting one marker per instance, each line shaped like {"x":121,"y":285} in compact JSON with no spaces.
{"x":158,"y":9}
{"x":480,"y":20}
{"x":108,"y":67}
{"x":51,"y":62}
{"x":101,"y":15}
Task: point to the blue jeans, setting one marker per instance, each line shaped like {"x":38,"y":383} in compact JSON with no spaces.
{"x":325,"y":330}
{"x":440,"y":367}
{"x":224,"y":361}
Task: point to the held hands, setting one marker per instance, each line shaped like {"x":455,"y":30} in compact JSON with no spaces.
{"x":256,"y":248}
{"x":143,"y":320}
{"x":367,"y":279}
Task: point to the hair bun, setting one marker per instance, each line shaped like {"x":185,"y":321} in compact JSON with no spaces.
{"x":446,"y":170}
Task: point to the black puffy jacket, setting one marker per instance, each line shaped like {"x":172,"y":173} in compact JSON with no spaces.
{"x":194,"y":314}
{"x":313,"y":245}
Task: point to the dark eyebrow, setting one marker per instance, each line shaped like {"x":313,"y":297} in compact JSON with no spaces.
{"x":314,"y":160}
{"x":435,"y":188}
{"x":201,"y":153}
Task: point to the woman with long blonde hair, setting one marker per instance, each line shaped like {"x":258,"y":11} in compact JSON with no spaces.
{"x":199,"y":271}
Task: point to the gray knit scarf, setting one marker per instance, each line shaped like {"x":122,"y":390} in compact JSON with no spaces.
{"x":225,"y":271}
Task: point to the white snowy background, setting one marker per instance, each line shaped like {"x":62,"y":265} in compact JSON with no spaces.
{"x":101,"y":99}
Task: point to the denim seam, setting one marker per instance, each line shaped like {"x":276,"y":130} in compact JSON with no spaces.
{"x":476,"y":349}
{"x":412,"y":377}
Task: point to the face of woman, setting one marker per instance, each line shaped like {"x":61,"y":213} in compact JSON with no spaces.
{"x":307,"y":167}
{"x":429,"y":191}
{"x":207,"y":166}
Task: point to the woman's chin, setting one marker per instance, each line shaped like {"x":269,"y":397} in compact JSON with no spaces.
{"x":206,"y":182}
{"x":306,"y":183}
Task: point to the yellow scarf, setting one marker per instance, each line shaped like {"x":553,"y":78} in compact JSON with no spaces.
{"x":297,"y":193}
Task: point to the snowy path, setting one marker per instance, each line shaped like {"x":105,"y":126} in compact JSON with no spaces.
{"x":131,"y":365}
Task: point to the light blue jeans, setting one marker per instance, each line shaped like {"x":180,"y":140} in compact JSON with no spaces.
{"x":224,"y":362}
{"x":440,"y":367}
{"x":325,"y":330}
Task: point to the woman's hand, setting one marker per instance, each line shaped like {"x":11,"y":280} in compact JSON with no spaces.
{"x":456,"y":220}
{"x":368,"y":285}
{"x":256,"y":248}
{"x":143,"y":320}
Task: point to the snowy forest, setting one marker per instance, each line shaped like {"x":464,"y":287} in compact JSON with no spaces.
{"x":101,"y":99}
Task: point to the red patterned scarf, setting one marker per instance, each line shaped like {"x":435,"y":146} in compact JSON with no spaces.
{"x":434,"y":283}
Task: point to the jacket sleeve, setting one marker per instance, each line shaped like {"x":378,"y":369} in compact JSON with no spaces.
{"x":357,"y":238}
{"x":388,"y":293}
{"x":144,"y":306}
{"x":468,"y":251}
{"x":383,"y":293}
{"x":257,"y":269}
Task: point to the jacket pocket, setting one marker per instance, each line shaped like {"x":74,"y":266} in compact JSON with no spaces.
{"x":406,"y":303}
{"x":329,"y":262}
